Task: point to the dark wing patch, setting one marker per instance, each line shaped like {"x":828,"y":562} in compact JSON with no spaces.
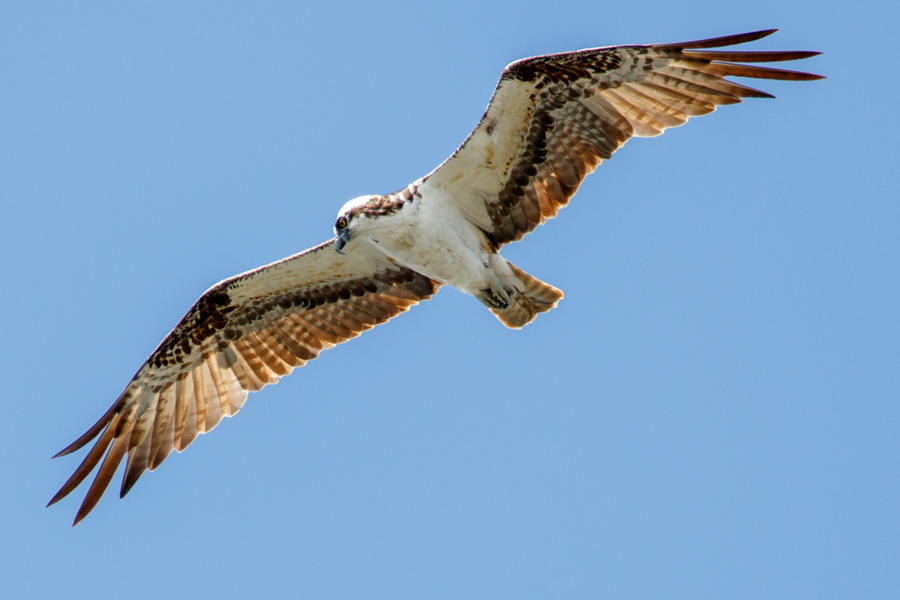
{"x":553,"y":119}
{"x":222,"y":350}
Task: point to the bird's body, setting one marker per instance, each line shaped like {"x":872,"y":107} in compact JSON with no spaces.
{"x":431,"y":237}
{"x":551,"y":120}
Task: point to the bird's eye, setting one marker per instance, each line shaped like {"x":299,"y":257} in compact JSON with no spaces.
{"x":341,"y":223}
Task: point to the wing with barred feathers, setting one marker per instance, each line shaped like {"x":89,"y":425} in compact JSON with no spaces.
{"x":242,"y":334}
{"x":552,"y":119}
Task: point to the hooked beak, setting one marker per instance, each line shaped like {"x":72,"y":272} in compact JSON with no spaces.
{"x":340,"y":240}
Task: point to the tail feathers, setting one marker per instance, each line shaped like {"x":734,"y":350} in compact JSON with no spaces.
{"x":532,"y":296}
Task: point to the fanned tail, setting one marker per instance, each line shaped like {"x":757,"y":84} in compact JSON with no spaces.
{"x":532,"y":296}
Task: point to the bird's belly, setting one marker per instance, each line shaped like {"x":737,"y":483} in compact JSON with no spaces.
{"x":446,"y":255}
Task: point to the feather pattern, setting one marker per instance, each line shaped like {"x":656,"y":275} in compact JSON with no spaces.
{"x":242,"y":334}
{"x":553,"y":119}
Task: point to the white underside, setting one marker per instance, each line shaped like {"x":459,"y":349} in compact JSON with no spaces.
{"x":432,"y":237}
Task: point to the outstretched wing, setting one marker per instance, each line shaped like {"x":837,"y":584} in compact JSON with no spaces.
{"x":241,"y":335}
{"x":552,"y":119}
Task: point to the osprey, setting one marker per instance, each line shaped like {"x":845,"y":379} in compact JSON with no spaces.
{"x":551,"y":120}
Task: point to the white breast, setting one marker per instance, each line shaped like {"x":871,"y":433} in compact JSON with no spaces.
{"x":433,"y":238}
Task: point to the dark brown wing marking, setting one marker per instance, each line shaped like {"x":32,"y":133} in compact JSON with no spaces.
{"x":553,"y":119}
{"x":222,"y":350}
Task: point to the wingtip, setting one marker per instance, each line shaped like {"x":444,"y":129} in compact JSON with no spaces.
{"x":79,"y":517}
{"x":758,"y":35}
{"x":81,"y":512}
{"x":93,"y":432}
{"x":63,"y":452}
{"x":87,"y":505}
{"x":128,"y":482}
{"x":728,"y":40}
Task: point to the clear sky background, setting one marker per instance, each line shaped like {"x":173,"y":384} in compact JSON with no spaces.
{"x":711,"y":412}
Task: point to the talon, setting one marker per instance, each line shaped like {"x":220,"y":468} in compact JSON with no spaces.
{"x":501,"y":296}
{"x":498,"y":296}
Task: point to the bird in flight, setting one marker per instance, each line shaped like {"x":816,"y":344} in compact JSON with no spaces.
{"x":551,"y":120}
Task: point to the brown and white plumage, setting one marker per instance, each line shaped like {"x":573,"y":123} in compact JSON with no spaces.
{"x":242,"y":334}
{"x":551,"y":120}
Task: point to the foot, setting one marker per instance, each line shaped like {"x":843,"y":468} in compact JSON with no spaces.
{"x":497,"y":296}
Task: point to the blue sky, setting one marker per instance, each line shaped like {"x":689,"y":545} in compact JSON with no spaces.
{"x":712,"y":411}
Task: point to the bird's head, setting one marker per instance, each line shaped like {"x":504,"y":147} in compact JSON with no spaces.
{"x":347,"y":221}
